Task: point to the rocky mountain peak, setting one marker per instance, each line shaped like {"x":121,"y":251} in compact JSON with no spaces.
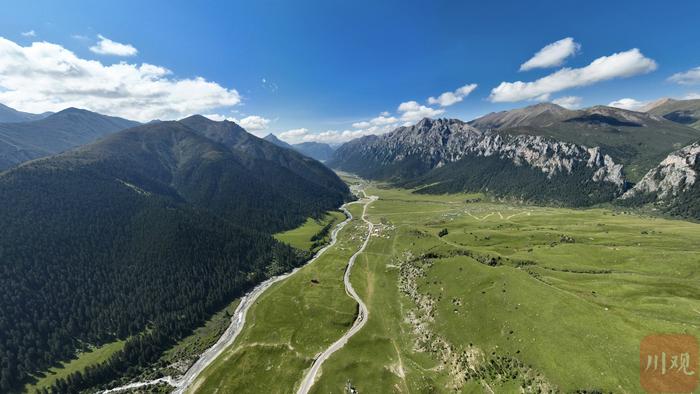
{"x":677,"y":173}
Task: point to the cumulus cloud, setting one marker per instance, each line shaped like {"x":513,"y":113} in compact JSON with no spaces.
{"x":294,"y":136}
{"x":377,"y":126}
{"x":570,"y":102}
{"x":329,"y":137}
{"x":252,"y":123}
{"x":381,"y":120}
{"x":690,"y":77}
{"x":105,"y":46}
{"x":47,"y":77}
{"x":448,"y":98}
{"x":618,"y":65}
{"x":628,"y":103}
{"x":411,"y":111}
{"x":552,"y":55}
{"x":30,"y":33}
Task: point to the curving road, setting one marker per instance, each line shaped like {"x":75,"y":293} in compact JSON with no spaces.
{"x":362,"y":315}
{"x":237,"y":323}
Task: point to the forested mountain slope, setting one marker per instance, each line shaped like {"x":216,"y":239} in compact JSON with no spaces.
{"x":20,"y":142}
{"x":142,"y":234}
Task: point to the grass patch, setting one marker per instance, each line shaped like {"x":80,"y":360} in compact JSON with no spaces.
{"x":85,"y":359}
{"x":303,"y":237}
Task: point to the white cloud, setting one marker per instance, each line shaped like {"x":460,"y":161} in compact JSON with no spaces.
{"x":47,"y":77}
{"x":219,"y":117}
{"x":108,"y":47}
{"x":294,"y":136}
{"x":30,"y":33}
{"x":411,"y":111}
{"x":251,"y":124}
{"x":570,"y":102}
{"x":448,"y":98}
{"x":552,"y":55}
{"x":628,"y":103}
{"x":333,"y":136}
{"x":328,"y":137}
{"x":381,"y":120}
{"x":618,"y":65}
{"x":361,"y":125}
{"x":254,"y":123}
{"x":690,"y":77}
{"x":691,"y":96}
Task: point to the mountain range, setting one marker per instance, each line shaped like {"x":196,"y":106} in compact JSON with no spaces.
{"x":112,"y":228}
{"x":448,"y":155}
{"x":637,"y":140}
{"x":543,"y":153}
{"x":317,"y":150}
{"x":685,"y":112}
{"x":11,"y":115}
{"x":23,"y":141}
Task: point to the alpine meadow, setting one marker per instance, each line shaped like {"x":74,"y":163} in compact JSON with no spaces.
{"x":349,"y":197}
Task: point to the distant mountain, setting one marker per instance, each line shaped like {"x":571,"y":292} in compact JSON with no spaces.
{"x":637,"y":140}
{"x":448,"y":155}
{"x":657,"y":103}
{"x":685,"y":112}
{"x":156,"y":226}
{"x":20,"y":142}
{"x":10,"y":115}
{"x":673,"y":185}
{"x":286,"y":167}
{"x":316,"y":150}
{"x":541,"y":115}
{"x":273,"y":138}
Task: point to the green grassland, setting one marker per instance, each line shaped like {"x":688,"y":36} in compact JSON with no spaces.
{"x":302,"y":237}
{"x":513,"y":297}
{"x":290,"y":323}
{"x":85,"y":359}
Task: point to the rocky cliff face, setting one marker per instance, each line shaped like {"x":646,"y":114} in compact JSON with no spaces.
{"x":676,"y":175}
{"x":432,"y":144}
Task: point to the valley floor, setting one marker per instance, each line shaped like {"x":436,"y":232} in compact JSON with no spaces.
{"x":509,"y":298}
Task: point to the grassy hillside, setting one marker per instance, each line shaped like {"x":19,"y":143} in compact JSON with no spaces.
{"x":311,"y":235}
{"x":83,"y":360}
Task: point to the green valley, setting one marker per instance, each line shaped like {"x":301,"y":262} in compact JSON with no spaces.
{"x":474,"y":295}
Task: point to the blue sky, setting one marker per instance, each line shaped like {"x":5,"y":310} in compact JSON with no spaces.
{"x":320,"y":66}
